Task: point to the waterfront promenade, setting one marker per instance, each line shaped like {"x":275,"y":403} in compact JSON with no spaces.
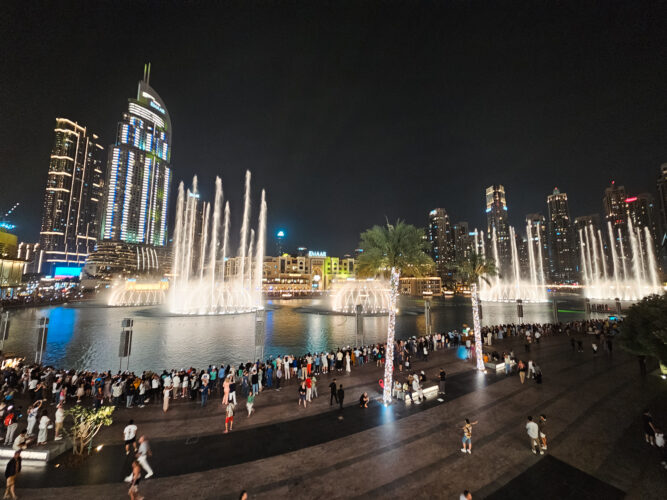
{"x":593,"y":404}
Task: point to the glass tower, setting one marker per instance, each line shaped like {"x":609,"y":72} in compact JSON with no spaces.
{"x":560,"y":238}
{"x":496,"y":219}
{"x":139,"y":172}
{"x":74,"y":192}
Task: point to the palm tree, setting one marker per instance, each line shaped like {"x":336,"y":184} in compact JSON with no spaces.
{"x":390,"y":251}
{"x":471,"y":270}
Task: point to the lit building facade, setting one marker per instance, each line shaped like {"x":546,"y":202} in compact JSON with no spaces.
{"x":463,"y":241}
{"x":139,"y":172}
{"x":640,"y":210}
{"x":496,"y":220}
{"x":441,"y":240}
{"x":613,"y":203}
{"x":74,"y":191}
{"x":560,"y":236}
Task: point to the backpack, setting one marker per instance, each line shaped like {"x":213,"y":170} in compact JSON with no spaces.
{"x":9,"y":419}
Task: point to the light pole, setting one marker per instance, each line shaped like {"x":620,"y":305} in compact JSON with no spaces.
{"x":4,"y":329}
{"x":125,"y":347}
{"x":359,"y":325}
{"x":41,"y":339}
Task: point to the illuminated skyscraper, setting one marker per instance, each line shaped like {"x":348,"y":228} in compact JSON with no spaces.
{"x":139,"y":172}
{"x":441,"y":239}
{"x":641,"y":211}
{"x":613,"y":203}
{"x":496,"y":219}
{"x":560,"y":239}
{"x":74,"y":191}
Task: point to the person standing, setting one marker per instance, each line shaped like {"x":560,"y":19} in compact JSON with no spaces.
{"x":466,"y":495}
{"x":467,"y":436}
{"x":12,"y":470}
{"x":309,"y":389}
{"x":302,"y":394}
{"x":542,"y":426}
{"x":204,"y":393}
{"x":142,"y":455}
{"x":165,"y":397}
{"x":649,"y":427}
{"x":334,"y":395}
{"x":441,"y":383}
{"x":229,"y":417}
{"x":130,"y":435}
{"x":10,"y":425}
{"x":341,"y":396}
{"x":60,"y":420}
{"x":249,"y":404}
{"x":533,"y":434}
{"x":522,"y":371}
{"x":44,"y":424}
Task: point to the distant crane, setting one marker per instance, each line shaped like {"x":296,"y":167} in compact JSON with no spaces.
{"x":4,"y":221}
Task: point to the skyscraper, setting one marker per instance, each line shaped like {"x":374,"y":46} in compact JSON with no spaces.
{"x":139,"y":172}
{"x":496,"y":218}
{"x":560,"y":238}
{"x":441,"y":241}
{"x":640,"y":210}
{"x":74,"y":191}
{"x":613,"y":203}
{"x":463,"y":241}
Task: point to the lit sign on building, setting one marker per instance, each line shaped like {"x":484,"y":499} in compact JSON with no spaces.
{"x":313,"y":253}
{"x":157,"y":106}
{"x":280,"y":234}
{"x":67,"y":272}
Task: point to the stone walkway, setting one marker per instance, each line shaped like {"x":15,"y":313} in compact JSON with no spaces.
{"x":593,"y":407}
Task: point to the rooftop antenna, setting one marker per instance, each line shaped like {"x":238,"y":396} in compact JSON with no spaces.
{"x":145,"y":67}
{"x":148,"y":76}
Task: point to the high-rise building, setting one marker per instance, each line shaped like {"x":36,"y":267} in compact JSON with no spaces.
{"x":613,"y":203}
{"x":496,"y":218}
{"x":441,"y":241}
{"x":640,"y":210}
{"x":561,"y":246}
{"x":74,"y":191}
{"x":463,"y":241}
{"x":139,"y":172}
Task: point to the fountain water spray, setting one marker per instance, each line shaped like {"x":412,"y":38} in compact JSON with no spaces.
{"x":626,"y":282}
{"x":203,"y":283}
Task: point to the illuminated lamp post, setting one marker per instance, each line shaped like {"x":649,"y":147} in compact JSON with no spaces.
{"x":391,"y":331}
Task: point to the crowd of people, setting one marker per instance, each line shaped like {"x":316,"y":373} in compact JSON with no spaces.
{"x":49,"y":390}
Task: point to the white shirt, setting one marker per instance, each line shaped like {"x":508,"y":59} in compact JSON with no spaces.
{"x":532,"y":430}
{"x":44,"y":422}
{"x":130,"y":432}
{"x":60,"y":415}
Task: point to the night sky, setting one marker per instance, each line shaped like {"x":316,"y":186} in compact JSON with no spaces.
{"x":347,"y":112}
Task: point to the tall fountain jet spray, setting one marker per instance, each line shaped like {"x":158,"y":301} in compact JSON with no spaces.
{"x":206,"y":280}
{"x":632,"y":275}
{"x":510,"y":285}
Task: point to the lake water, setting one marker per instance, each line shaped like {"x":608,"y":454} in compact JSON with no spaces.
{"x":87,"y":335}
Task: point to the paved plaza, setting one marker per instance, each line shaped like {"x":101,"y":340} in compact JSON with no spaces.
{"x":593,"y":405}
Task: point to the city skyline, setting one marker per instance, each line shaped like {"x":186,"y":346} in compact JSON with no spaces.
{"x":246,"y":96}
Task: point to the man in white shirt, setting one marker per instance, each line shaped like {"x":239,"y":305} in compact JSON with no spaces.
{"x":533,"y":434}
{"x":130,"y":435}
{"x":143,"y":454}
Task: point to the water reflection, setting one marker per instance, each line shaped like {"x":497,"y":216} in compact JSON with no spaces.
{"x":88,"y":336}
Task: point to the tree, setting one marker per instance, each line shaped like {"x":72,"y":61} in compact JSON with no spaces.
{"x":87,"y":423}
{"x":643,"y":331}
{"x":390,"y":251}
{"x":471,"y":270}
